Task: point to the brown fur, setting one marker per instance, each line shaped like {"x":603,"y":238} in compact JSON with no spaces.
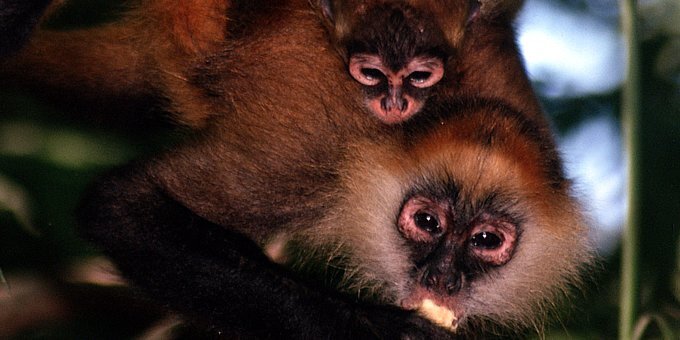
{"x":485,"y":149}
{"x":153,"y":52}
{"x":149,"y":53}
{"x":285,"y":149}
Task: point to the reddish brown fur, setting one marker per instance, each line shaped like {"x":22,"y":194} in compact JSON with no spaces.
{"x":484,"y":148}
{"x":154,"y":50}
{"x":284,"y":144}
{"x":484,"y":59}
{"x":147,"y":54}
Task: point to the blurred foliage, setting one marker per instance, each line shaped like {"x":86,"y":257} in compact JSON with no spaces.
{"x":47,"y":159}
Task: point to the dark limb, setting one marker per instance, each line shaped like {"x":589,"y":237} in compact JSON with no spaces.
{"x":220,"y":278}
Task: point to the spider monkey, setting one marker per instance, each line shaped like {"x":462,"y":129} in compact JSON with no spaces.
{"x":462,"y":204}
{"x":156,"y":51}
{"x":469,"y":210}
{"x":404,"y":52}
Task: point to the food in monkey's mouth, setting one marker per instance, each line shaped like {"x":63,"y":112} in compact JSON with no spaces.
{"x":441,"y":316}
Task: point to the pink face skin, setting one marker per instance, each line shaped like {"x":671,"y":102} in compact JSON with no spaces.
{"x":396,"y":105}
{"x":487,"y":240}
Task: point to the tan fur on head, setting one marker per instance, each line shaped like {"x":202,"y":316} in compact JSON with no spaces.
{"x":553,"y":247}
{"x":375,"y":194}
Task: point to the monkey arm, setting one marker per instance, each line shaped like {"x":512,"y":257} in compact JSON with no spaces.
{"x":102,"y":57}
{"x":127,"y":64}
{"x":206,"y":272}
{"x":95,"y":67}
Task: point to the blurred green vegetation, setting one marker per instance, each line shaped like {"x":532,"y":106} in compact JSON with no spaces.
{"x":47,"y":159}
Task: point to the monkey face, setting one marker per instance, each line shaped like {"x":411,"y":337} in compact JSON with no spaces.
{"x":398,"y":54}
{"x":455,"y":240}
{"x":405,"y":52}
{"x":470,"y":216}
{"x":395,"y":50}
{"x":395,"y":95}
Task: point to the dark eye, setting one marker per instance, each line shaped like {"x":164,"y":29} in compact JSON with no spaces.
{"x":486,"y":240}
{"x":419,"y":77}
{"x":372,"y":73}
{"x":427,"y":222}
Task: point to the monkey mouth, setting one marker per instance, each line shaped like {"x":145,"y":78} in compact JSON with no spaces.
{"x":394,"y":116}
{"x":442,"y":311}
{"x":440,"y":315}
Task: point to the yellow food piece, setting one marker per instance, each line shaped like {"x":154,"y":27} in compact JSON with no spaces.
{"x":441,"y":316}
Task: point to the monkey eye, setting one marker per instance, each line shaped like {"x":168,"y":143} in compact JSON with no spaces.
{"x":493,"y":240}
{"x":372,"y":76}
{"x":424,"y":72}
{"x":423,"y":219}
{"x":367,"y":69}
{"x":418,"y":78}
{"x":486,"y":240}
{"x":427,"y":222}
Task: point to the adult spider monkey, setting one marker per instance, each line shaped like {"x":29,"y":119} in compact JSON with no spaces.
{"x":462,"y":205}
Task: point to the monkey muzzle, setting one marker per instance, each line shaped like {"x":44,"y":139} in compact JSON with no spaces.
{"x":394,"y":102}
{"x":395,"y":106}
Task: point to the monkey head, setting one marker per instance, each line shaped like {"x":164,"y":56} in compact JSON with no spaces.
{"x":397,"y":58}
{"x":399,"y":50}
{"x":468,"y":220}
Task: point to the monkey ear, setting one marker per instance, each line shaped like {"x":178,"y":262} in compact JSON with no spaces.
{"x":503,"y":8}
{"x":326,"y":7}
{"x":339,"y":13}
{"x":334,"y":17}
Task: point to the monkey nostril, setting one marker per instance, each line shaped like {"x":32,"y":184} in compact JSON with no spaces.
{"x":390,"y":103}
{"x":454,"y":284}
{"x":404,"y":105}
{"x":384,"y":104}
{"x":449,"y":282}
{"x":430,"y":279}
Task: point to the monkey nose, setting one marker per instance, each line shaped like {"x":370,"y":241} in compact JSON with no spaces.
{"x":394,"y":104}
{"x":446,"y":282}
